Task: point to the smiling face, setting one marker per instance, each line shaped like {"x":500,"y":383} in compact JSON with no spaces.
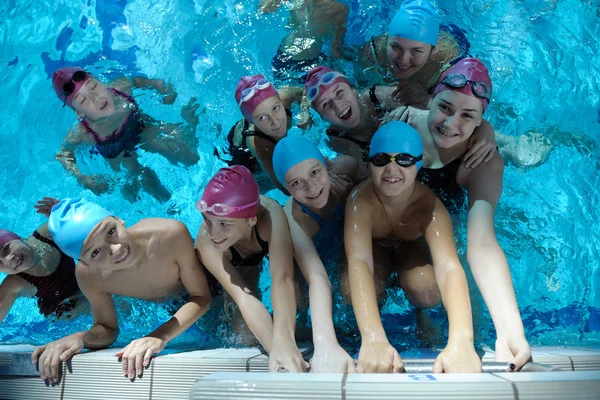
{"x":453,"y":117}
{"x":407,"y":56}
{"x":308,"y":182}
{"x":339,"y":106}
{"x":392,"y":179}
{"x":109,"y":246}
{"x":94,"y":100}
{"x":225,"y":232}
{"x":16,"y":256}
{"x":270,"y":117}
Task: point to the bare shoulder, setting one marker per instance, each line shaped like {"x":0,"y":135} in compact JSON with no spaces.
{"x":362,"y":195}
{"x":424,"y":199}
{"x":165,"y":230}
{"x":446,"y":48}
{"x":123,"y":84}
{"x":88,"y":278}
{"x":490,"y":169}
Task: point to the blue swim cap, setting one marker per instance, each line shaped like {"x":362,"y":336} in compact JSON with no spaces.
{"x":71,"y":221}
{"x":416,"y":20}
{"x":290,"y":151}
{"x":397,"y":137}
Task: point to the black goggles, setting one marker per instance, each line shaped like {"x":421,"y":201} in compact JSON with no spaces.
{"x":69,"y":87}
{"x":403,"y":159}
{"x":480,"y":89}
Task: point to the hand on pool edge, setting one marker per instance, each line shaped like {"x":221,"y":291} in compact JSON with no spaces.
{"x":50,"y":356}
{"x":137,"y":355}
{"x":515,"y":351}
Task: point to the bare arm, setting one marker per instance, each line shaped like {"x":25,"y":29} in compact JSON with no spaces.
{"x":296,"y":94}
{"x":459,"y":355}
{"x":253,"y":310}
{"x":66,"y":154}
{"x":285,"y":352}
{"x":319,"y":294}
{"x":340,"y":21}
{"x":262,"y":149}
{"x":488,"y":261}
{"x":156,"y":84}
{"x":11,"y":288}
{"x":269,"y":6}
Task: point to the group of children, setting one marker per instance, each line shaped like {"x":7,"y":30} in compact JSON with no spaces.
{"x":411,"y":155}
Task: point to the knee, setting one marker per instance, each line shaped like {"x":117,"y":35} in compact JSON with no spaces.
{"x":424,"y":297}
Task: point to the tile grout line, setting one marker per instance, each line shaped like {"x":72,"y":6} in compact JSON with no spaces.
{"x":512,"y":384}
{"x":344,"y":379}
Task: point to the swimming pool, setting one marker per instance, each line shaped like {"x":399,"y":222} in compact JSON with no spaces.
{"x":545,"y":60}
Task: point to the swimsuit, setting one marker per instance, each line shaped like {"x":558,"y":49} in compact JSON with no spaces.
{"x":126,"y":138}
{"x":240,"y":154}
{"x":380,"y":110}
{"x":283,"y":64}
{"x":254,"y":259}
{"x":56,"y":287}
{"x":442,"y":182}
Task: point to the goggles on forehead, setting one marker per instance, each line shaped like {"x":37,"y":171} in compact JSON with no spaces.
{"x":326,"y":80}
{"x":403,"y":159}
{"x":249,"y":92}
{"x":479,"y":88}
{"x":221,"y":209}
{"x":69,"y":87}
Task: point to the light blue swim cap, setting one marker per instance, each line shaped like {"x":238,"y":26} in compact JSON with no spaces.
{"x":416,"y":20}
{"x":290,"y":151}
{"x":71,"y":221}
{"x":397,"y":137}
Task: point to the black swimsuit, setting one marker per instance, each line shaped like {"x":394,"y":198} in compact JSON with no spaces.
{"x":240,"y":154}
{"x":56,"y":287}
{"x":442,"y":182}
{"x":254,"y":259}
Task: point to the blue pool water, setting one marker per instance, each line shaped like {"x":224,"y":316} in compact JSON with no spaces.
{"x":545,"y":58}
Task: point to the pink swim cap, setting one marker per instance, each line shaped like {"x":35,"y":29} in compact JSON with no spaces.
{"x":63,"y":76}
{"x":476,"y":73}
{"x":231,"y":193}
{"x":319,"y":80}
{"x":7,"y":236}
{"x":251,"y":91}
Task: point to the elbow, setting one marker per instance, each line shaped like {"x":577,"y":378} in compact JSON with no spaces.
{"x":203,"y":302}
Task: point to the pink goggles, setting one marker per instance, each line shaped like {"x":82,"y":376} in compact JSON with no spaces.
{"x":326,"y":80}
{"x":250,"y":92}
{"x":220,"y":209}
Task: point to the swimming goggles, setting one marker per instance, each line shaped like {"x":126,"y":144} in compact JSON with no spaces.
{"x":249,"y":92}
{"x":480,"y":89}
{"x":403,"y":159}
{"x":221,"y":209}
{"x":325,"y":80}
{"x":69,"y":87}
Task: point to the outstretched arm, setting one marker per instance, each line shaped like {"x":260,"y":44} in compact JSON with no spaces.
{"x":269,"y":6}
{"x":296,"y":94}
{"x":156,"y":84}
{"x":11,"y":288}
{"x":489,"y":265}
{"x":376,"y":354}
{"x":285,"y":353}
{"x":102,"y":334}
{"x":459,"y":354}
{"x":328,"y":355}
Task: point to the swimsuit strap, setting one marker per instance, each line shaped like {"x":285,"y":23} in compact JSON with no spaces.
{"x":311,"y":214}
{"x":123,"y":95}
{"x":374,"y":49}
{"x":41,"y":238}
{"x":378,"y":106}
{"x":264,"y":245}
{"x":253,"y":259}
{"x":341,"y":135}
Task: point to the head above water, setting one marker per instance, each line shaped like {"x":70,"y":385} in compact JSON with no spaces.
{"x":290,"y":151}
{"x":67,"y":82}
{"x":468,"y":76}
{"x":15,"y":255}
{"x":251,"y":91}
{"x":319,"y":80}
{"x":416,"y":20}
{"x":71,"y":221}
{"x":231,"y":193}
{"x":7,"y":236}
{"x":397,"y":137}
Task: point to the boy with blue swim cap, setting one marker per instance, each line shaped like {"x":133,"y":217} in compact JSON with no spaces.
{"x":152,"y":259}
{"x":319,"y":189}
{"x":393,"y":223}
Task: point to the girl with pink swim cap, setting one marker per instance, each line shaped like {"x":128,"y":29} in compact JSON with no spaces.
{"x":240,"y":228}
{"x":110,"y":120}
{"x":354,"y":116}
{"x":267,"y":118}
{"x":459,"y":100}
{"x":37,"y":267}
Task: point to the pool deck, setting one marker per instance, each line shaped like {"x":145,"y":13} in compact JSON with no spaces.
{"x":240,"y":374}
